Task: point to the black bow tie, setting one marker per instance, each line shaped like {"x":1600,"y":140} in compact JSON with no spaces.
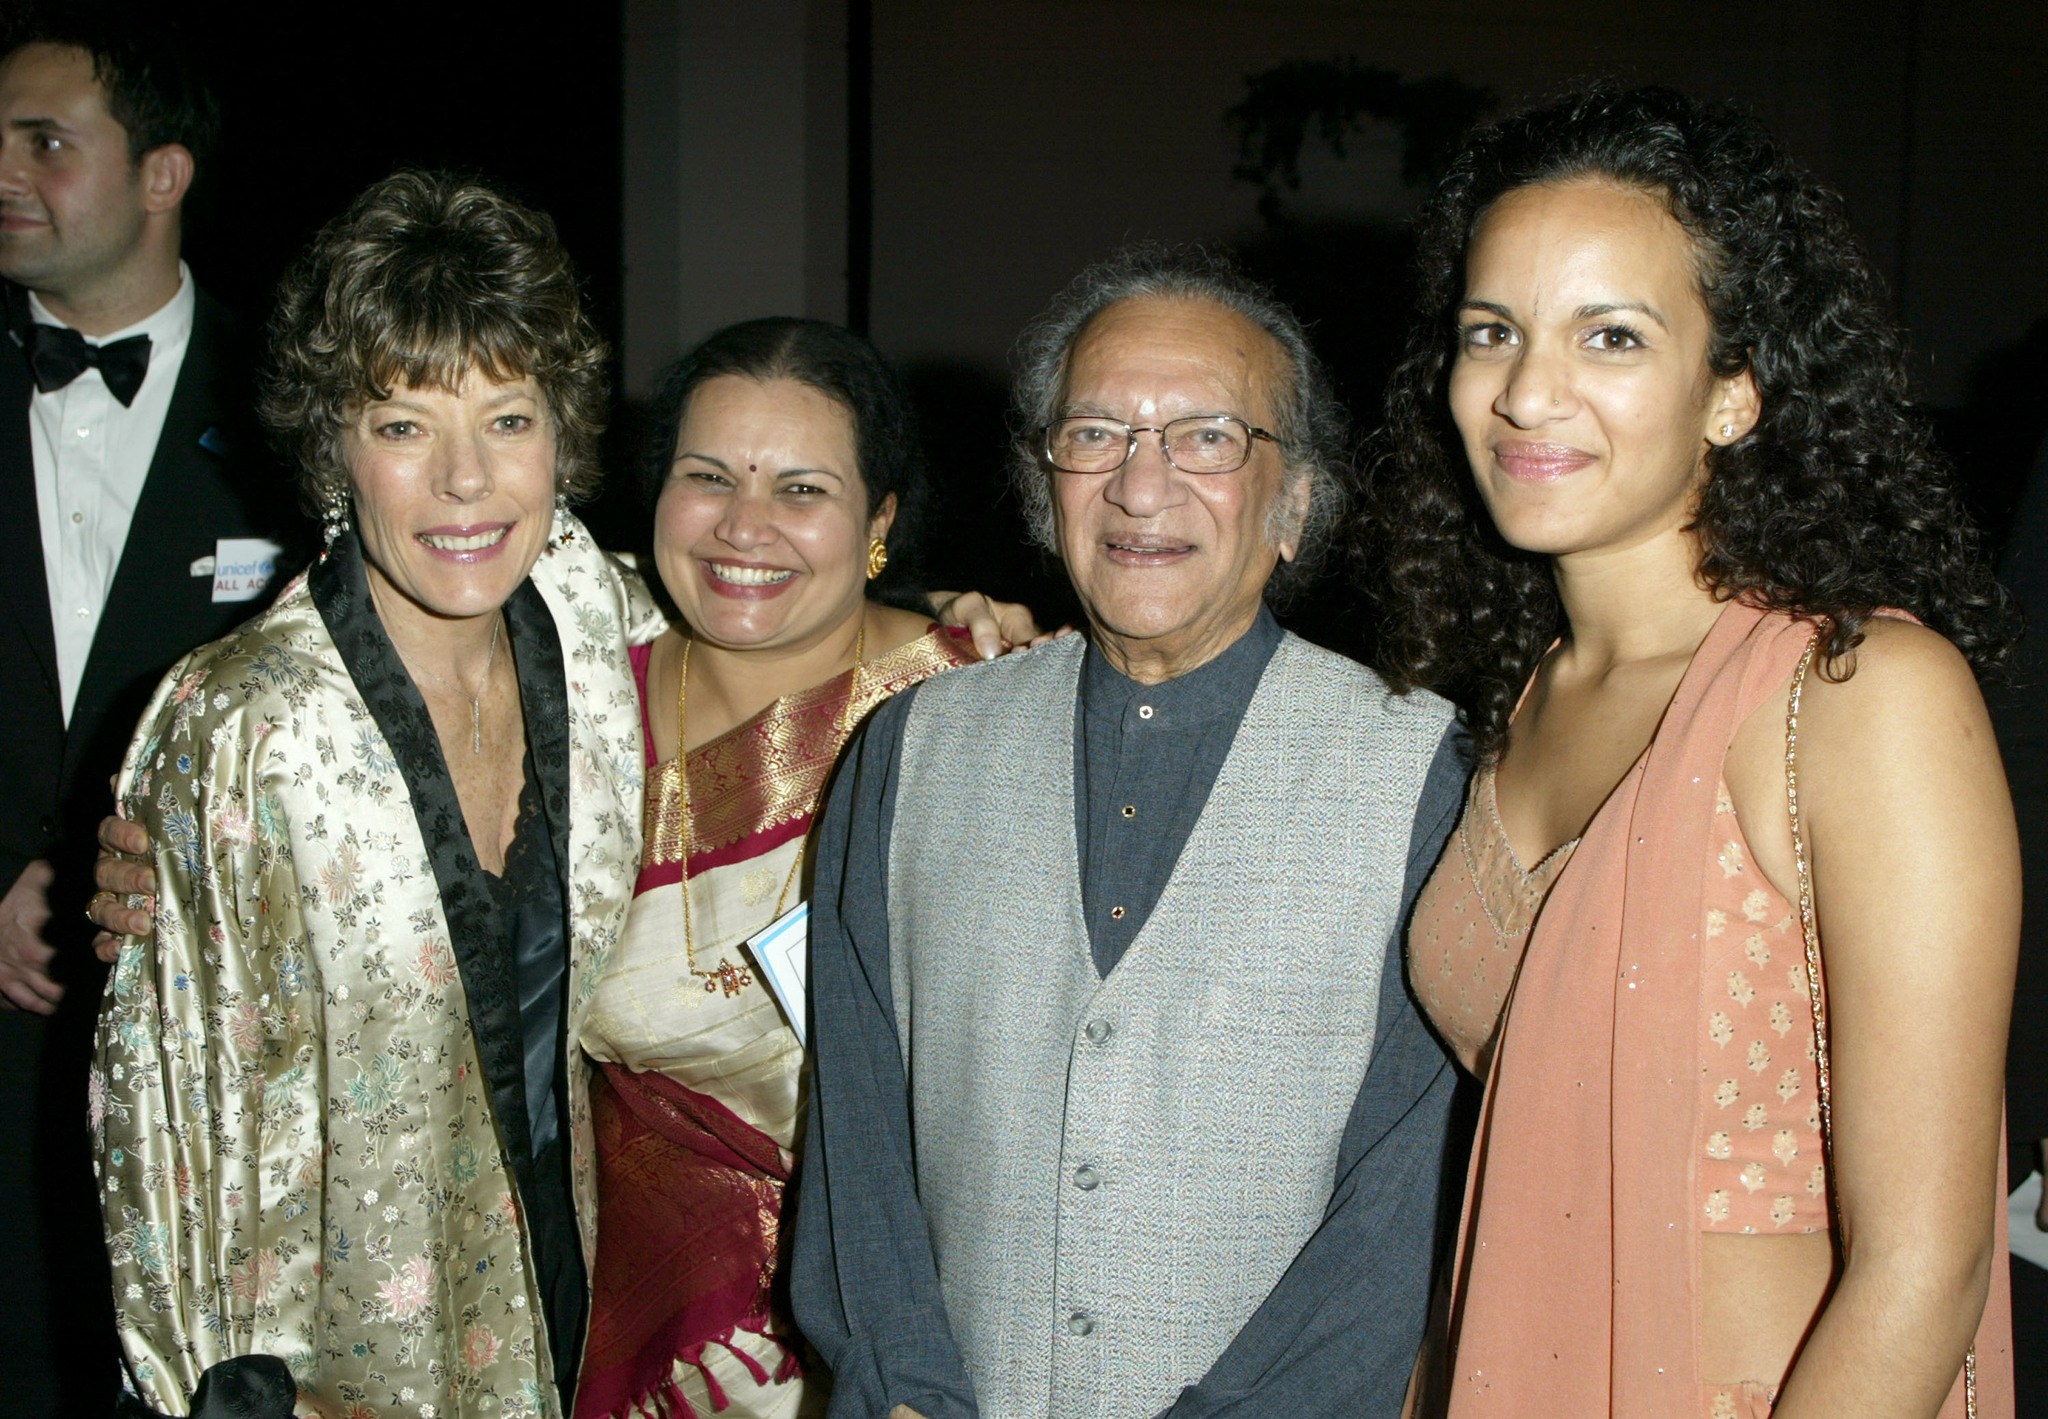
{"x":58,"y":354}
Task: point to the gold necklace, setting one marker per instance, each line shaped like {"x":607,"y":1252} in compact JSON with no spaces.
{"x":728,"y":977}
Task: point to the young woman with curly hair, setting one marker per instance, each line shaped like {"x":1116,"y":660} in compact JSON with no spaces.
{"x":1648,"y":457}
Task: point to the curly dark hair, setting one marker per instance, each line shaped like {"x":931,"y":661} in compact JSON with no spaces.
{"x":845,"y":369}
{"x":1834,"y":505}
{"x":425,"y":277}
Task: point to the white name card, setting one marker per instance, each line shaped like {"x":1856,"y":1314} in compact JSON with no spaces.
{"x":779,"y":951}
{"x":242,"y":567}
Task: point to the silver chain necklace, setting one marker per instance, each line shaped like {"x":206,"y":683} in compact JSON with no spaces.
{"x":476,"y":701}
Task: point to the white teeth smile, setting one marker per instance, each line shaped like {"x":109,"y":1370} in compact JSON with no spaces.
{"x":748,"y":576}
{"x":475,"y":543}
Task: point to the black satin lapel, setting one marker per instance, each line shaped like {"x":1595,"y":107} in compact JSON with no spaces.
{"x":544,"y":704}
{"x":26,"y":586}
{"x":341,"y":591}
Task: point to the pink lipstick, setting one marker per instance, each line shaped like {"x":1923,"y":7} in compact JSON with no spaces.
{"x":468,"y":544}
{"x":1539,"y":462}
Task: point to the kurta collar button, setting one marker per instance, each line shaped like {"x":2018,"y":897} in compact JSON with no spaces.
{"x":1130,"y":810}
{"x":1144,"y":711}
{"x":1085,"y":1178}
{"x":1099,"y":1031}
{"x":1080,"y":1323}
{"x":1116,"y":913}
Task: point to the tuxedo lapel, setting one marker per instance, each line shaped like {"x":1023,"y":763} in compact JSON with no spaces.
{"x":24,"y":585}
{"x":200,"y":488}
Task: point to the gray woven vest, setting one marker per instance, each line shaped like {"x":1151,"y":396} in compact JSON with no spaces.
{"x":1116,"y":1172}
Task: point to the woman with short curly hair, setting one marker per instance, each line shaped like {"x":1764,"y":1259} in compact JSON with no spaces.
{"x":1731,"y":944}
{"x":366,"y":1162}
{"x":344,"y":1160}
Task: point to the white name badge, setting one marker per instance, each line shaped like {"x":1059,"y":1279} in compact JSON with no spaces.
{"x":779,"y":950}
{"x":242,"y":567}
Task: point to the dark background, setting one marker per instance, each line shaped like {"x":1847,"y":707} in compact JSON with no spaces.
{"x":965,"y":124}
{"x":971,"y":117}
{"x":321,"y":99}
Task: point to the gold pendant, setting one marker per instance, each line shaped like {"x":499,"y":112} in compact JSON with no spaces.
{"x":732,"y":979}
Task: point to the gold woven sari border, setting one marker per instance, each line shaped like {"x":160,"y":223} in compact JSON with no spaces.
{"x":771,"y":770}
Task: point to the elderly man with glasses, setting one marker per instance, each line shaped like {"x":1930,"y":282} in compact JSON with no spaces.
{"x":1120,"y":1105}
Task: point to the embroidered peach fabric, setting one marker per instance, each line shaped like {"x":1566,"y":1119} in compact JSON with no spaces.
{"x":1472,"y":921}
{"x":1760,"y":1154}
{"x":1760,"y":1167}
{"x":1652,"y":1077}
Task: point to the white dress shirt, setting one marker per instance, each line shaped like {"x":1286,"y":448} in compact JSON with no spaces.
{"x":92,"y":455}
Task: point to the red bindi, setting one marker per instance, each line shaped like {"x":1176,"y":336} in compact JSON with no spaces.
{"x":751,"y":468}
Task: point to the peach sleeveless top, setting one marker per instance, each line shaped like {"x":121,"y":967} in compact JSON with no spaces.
{"x":1760,"y":1165}
{"x":1653,"y":1078}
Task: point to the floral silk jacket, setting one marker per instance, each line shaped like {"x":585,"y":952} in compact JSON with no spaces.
{"x":307,"y":1091}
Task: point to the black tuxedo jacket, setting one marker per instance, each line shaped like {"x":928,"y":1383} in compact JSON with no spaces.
{"x":208,"y":479}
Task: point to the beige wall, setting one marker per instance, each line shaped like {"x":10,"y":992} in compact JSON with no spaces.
{"x":735,"y":170}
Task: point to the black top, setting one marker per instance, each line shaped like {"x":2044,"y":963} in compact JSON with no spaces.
{"x":1337,"y":1336}
{"x":528,"y":897}
{"x":1145,"y":759}
{"x":533,"y":924}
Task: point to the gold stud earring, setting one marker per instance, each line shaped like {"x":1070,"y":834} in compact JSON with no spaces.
{"x":878,"y":558}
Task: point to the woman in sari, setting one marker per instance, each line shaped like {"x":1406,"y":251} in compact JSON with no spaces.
{"x":344,"y":1155}
{"x":786,"y":468}
{"x":1732,"y":944}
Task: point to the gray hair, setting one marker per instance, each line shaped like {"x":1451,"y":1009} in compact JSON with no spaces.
{"x":1309,"y":423}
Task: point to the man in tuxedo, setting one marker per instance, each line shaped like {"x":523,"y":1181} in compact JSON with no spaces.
{"x":134,"y":526}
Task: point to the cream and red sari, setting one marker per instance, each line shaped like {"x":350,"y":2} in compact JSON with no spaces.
{"x":697,"y":1095}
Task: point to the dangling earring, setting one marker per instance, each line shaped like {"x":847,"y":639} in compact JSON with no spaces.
{"x":334,"y":516}
{"x":878,"y":558}
{"x":562,"y":532}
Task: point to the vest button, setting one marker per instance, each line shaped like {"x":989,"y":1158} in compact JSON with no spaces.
{"x":1080,"y":1323}
{"x":1099,"y":1031}
{"x":1085,"y":1178}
